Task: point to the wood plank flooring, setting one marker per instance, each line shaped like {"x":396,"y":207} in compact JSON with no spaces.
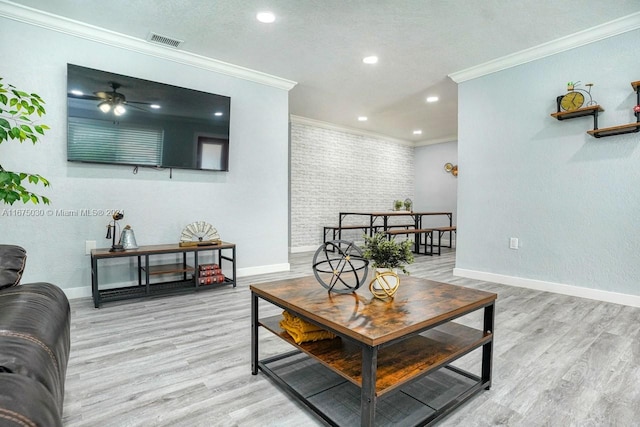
{"x":184,"y":360}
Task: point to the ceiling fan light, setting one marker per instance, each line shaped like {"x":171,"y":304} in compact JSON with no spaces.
{"x":104,"y":106}
{"x":119,"y":110}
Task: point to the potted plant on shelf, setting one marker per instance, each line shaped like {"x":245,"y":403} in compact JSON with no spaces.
{"x":386,"y":256}
{"x":16,"y":109}
{"x":397,"y":204}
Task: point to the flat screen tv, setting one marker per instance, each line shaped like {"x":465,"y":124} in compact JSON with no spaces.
{"x":123,"y":120}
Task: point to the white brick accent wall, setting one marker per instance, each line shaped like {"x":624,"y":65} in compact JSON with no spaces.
{"x":335,"y":171}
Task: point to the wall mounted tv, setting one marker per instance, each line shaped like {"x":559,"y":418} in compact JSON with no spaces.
{"x":117,"y":119}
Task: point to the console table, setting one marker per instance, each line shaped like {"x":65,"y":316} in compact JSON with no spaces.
{"x":221,"y":252}
{"x":391,"y":361}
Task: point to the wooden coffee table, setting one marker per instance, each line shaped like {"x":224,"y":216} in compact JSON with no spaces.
{"x":391,"y":362}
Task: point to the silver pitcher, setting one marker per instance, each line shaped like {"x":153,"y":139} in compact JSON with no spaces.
{"x":128,"y":239}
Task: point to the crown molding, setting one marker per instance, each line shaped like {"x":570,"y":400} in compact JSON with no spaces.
{"x":331,"y":126}
{"x":581,"y":38}
{"x":81,"y":30}
{"x":450,"y":138}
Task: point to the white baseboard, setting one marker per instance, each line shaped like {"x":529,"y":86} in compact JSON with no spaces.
{"x":79,"y":292}
{"x":263,"y":269}
{"x":304,"y":249}
{"x":558,"y":288}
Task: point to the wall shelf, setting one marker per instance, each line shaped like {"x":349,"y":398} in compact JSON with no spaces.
{"x":615,"y":130}
{"x":621,"y":129}
{"x":594,"y":110}
{"x":580,"y":112}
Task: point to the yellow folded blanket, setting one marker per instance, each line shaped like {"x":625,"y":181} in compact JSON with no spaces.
{"x":303,"y":331}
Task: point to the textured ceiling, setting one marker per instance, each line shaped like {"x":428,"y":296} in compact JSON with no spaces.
{"x":320,"y":44}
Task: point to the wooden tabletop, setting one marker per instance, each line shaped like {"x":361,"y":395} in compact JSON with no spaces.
{"x":394,"y":213}
{"x":417,"y":304}
{"x":157,"y":249}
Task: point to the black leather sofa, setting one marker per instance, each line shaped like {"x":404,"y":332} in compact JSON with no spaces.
{"x":34,"y":346}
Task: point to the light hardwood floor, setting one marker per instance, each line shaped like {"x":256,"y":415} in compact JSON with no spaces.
{"x":184,"y":360}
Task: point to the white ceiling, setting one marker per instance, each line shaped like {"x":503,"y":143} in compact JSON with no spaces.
{"x":320,"y":44}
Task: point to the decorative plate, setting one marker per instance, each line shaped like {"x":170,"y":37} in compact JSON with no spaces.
{"x":199,"y":233}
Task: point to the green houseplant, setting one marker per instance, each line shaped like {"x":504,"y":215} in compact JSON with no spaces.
{"x":16,"y":111}
{"x":397,"y":204}
{"x":384,"y":253}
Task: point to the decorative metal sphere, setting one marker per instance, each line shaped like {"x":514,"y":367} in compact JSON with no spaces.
{"x":339,"y":266}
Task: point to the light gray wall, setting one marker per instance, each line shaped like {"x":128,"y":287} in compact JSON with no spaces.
{"x":336,"y":171}
{"x":571,"y":199}
{"x":436,"y":189}
{"x":248,"y":205}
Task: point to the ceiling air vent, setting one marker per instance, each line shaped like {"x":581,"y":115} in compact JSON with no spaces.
{"x":164,"y":40}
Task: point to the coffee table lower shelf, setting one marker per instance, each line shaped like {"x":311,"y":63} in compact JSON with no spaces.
{"x":416,"y":384}
{"x":337,"y":400}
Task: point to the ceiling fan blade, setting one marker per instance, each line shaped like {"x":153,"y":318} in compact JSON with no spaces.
{"x":87,"y":97}
{"x":129,"y":104}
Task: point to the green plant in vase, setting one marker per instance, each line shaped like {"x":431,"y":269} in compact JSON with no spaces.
{"x":386,"y":256}
{"x":397,"y":204}
{"x":385,"y":253}
{"x":16,"y":111}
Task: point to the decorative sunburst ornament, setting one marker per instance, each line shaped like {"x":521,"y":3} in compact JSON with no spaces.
{"x":199,"y":233}
{"x":339,"y":266}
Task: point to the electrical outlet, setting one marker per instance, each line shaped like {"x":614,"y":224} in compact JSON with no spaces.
{"x":513,"y":243}
{"x":88,"y":245}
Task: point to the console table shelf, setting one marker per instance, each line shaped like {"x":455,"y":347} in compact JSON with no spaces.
{"x":168,"y":269}
{"x":223,"y":252}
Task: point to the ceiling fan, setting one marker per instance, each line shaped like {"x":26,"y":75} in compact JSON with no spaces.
{"x":112,"y":100}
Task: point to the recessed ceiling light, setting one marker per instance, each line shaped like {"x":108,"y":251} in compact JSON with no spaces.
{"x":77,"y":92}
{"x":417,"y":132}
{"x":370,"y":59}
{"x":217,"y":113}
{"x":362,"y":119}
{"x":432,"y":99}
{"x":155,"y":106}
{"x":266,"y":17}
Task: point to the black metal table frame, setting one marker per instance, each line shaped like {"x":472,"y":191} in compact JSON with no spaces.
{"x":369,"y":364}
{"x":95,"y":288}
{"x":417,"y":218}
